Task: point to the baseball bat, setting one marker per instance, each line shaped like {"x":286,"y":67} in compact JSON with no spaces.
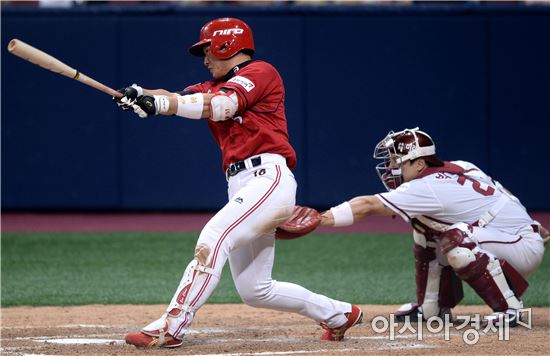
{"x":44,"y":60}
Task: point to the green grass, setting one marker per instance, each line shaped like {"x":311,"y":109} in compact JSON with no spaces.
{"x":145,"y":268}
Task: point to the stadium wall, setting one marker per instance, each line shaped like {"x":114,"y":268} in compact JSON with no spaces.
{"x":475,"y":76}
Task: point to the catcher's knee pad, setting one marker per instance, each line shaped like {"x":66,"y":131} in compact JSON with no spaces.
{"x":457,"y":245}
{"x":460,"y":257}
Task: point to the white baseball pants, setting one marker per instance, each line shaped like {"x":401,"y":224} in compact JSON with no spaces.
{"x":243,"y":231}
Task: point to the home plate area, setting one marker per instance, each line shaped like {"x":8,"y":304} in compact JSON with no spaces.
{"x":236,"y":329}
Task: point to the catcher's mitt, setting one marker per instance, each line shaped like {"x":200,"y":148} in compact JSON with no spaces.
{"x":302,"y":221}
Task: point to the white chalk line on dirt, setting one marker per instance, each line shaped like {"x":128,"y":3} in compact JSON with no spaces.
{"x":225,"y":330}
{"x":104,"y":341}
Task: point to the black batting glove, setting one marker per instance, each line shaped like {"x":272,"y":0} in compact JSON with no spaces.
{"x":145,"y":106}
{"x":130,"y":95}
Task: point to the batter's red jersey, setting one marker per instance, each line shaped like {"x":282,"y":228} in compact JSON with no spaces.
{"x":259,"y":126}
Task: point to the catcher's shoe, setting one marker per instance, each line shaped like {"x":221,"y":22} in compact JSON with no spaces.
{"x":510,"y":317}
{"x":145,"y":341}
{"x":411,"y":312}
{"x":337,"y":334}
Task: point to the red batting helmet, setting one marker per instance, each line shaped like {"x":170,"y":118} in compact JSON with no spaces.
{"x":226,"y":38}
{"x":398,"y":147}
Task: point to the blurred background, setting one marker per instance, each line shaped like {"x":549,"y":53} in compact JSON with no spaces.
{"x":474,"y":75}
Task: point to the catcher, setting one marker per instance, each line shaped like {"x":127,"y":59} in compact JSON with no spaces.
{"x":466,"y":227}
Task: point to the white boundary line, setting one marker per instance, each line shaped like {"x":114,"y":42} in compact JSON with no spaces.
{"x":107,"y":339}
{"x":393,"y":345}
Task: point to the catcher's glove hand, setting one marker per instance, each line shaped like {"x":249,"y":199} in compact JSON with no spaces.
{"x":302,"y":221}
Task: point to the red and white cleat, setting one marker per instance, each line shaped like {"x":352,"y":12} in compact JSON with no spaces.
{"x":145,"y":341}
{"x":337,"y":334}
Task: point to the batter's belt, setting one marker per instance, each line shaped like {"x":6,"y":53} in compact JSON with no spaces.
{"x":255,"y":161}
{"x":235,"y":168}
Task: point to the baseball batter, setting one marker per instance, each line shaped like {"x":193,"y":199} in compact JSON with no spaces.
{"x":245,"y":110}
{"x":466,"y":225}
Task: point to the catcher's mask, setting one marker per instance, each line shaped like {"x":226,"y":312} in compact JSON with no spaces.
{"x":399,"y":147}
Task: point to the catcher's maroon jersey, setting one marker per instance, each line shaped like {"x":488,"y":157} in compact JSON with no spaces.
{"x":259,"y":126}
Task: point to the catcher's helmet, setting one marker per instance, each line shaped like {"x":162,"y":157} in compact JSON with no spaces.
{"x":226,"y":37}
{"x":398,"y":147}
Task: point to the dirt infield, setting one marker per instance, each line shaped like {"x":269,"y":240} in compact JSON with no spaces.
{"x":234,"y":329}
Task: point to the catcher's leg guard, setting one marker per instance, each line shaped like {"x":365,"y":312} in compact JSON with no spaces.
{"x":437,"y":288}
{"x":483,"y":272}
{"x":428,"y":272}
{"x":189,"y":296}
